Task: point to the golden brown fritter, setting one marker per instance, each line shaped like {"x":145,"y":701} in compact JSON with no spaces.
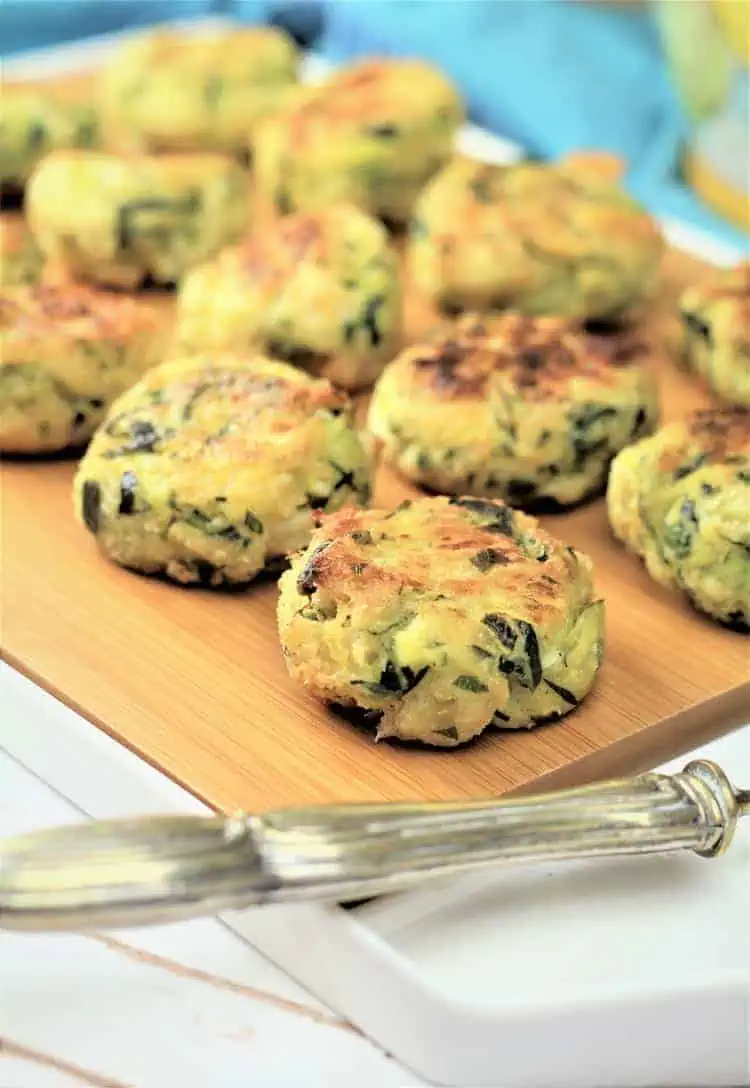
{"x":212,"y":467}
{"x":20,"y":258}
{"x":715,"y":319}
{"x":165,"y":91}
{"x":443,"y":617}
{"x":543,"y":239}
{"x":319,"y":289}
{"x":681,"y":500}
{"x":122,"y":220}
{"x":35,"y":122}
{"x":65,"y":354}
{"x":371,"y":135}
{"x":528,"y":409}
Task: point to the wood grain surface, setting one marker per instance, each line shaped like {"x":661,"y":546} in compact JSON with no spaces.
{"x":194,"y":680}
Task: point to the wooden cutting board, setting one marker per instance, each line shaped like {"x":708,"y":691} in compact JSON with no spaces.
{"x":194,"y":680}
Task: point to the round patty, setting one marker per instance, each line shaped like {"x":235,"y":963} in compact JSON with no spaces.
{"x":120,"y":220}
{"x":32,"y":124}
{"x":212,"y":466}
{"x":371,"y":135}
{"x":536,"y":238}
{"x":528,"y":409}
{"x":20,"y":258}
{"x":681,"y":500}
{"x":715,"y":319}
{"x":166,"y":91}
{"x":442,"y":617}
{"x":65,"y":354}
{"x":317,"y":289}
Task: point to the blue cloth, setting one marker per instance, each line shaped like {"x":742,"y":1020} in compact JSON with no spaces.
{"x":554,"y":75}
{"x":33,"y":24}
{"x":302,"y":18}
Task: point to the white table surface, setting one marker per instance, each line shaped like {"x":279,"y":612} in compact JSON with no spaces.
{"x":190,"y":1005}
{"x":182,"y":1006}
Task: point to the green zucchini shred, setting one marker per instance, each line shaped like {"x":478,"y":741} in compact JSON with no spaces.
{"x":470,"y":683}
{"x":488,"y":558}
{"x":450,"y":732}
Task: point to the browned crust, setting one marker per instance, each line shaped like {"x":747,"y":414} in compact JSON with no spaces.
{"x":237,"y":383}
{"x":540,"y":356}
{"x":72,"y":309}
{"x":728,"y":323}
{"x":357,"y":94}
{"x":723,"y":430}
{"x":733,"y":283}
{"x":718,"y":433}
{"x":271,"y":254}
{"x":561,"y":213}
{"x":14,"y":234}
{"x":345,"y":560}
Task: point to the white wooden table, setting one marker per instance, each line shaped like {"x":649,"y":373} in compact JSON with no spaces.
{"x":183,"y":1006}
{"x":195,"y":1005}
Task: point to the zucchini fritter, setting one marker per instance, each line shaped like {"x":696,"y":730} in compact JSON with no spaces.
{"x":317,"y":289}
{"x":212,"y":467}
{"x":681,"y":500}
{"x":33,"y":123}
{"x":371,"y":136}
{"x":530,"y":410}
{"x":165,"y":91}
{"x":120,"y":220}
{"x":715,"y":319}
{"x":442,"y":617}
{"x":20,"y":259}
{"x":65,"y":354}
{"x":536,"y":238}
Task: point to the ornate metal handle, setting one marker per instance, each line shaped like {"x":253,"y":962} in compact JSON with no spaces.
{"x":156,"y":869}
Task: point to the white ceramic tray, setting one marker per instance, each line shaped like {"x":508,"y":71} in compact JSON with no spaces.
{"x":608,"y":975}
{"x":597,"y":975}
